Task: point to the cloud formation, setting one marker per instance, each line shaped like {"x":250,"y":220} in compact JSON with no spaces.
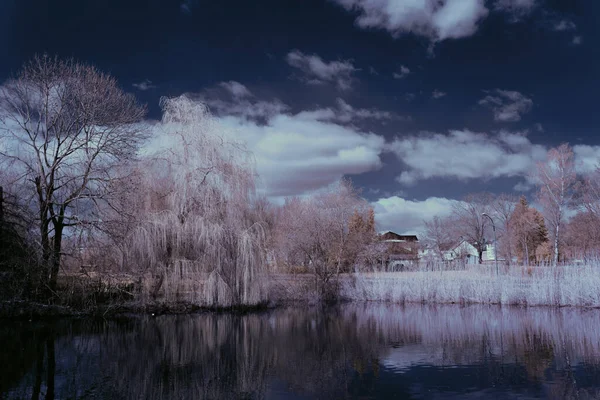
{"x":298,"y":153}
{"x":449,"y":19}
{"x":564,"y":25}
{"x":516,"y":8}
{"x":345,"y":113}
{"x":438,"y":94}
{"x":404,"y":71}
{"x":407,"y":216}
{"x":465,"y":155}
{"x":436,"y":20}
{"x":317,"y":72}
{"x":507,"y":105}
{"x":236,"y":89}
{"x":144,"y":85}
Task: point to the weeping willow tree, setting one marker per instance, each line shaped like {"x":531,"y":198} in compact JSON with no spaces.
{"x":199,"y":238}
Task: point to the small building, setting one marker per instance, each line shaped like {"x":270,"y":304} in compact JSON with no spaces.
{"x":402,"y":250}
{"x":468,"y":253}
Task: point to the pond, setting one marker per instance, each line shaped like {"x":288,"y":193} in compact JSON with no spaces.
{"x":366,"y":351}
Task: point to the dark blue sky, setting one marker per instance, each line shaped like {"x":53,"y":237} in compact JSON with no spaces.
{"x":511,"y":77}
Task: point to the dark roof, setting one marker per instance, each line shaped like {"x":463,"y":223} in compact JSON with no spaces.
{"x":389,"y":235}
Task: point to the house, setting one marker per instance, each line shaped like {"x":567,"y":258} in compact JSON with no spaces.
{"x":402,"y":250}
{"x":467,"y":252}
{"x":464,"y":251}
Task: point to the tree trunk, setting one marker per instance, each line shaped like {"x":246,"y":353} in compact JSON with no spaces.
{"x":56,"y":250}
{"x":556,"y":241}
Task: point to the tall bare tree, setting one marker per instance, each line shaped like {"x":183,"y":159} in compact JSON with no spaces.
{"x":200,"y":231}
{"x":589,"y":192}
{"x":438,"y":235}
{"x":503,"y":206}
{"x":557,"y":181}
{"x":65,"y":128}
{"x":316,"y":230}
{"x":470,"y":223}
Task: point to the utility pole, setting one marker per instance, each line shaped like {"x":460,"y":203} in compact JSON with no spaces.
{"x":495,"y":242}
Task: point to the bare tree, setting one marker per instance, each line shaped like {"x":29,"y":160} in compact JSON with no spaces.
{"x":557,"y":182}
{"x":438,"y":235}
{"x":503,"y":206}
{"x":470,"y":223}
{"x":199,"y":220}
{"x":316,"y":231}
{"x":66,"y":127}
{"x":589,"y":192}
{"x":582,"y":236}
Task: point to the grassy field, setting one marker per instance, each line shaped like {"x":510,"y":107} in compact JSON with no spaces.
{"x":531,"y":286}
{"x":577,"y":286}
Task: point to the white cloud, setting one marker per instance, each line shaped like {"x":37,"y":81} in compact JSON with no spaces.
{"x":449,"y":19}
{"x":404,"y":71}
{"x":245,"y":108}
{"x":236,"y":89}
{"x":346,"y":113}
{"x":577,"y":40}
{"x":144,"y":85}
{"x":316,"y":71}
{"x":515,"y":8}
{"x":465,"y":155}
{"x":438,"y":94}
{"x":564,"y":25}
{"x":539,"y":127}
{"x":587,"y":158}
{"x":407,"y":216}
{"x":508,"y":106}
{"x":523,"y":186}
{"x":298,"y":153}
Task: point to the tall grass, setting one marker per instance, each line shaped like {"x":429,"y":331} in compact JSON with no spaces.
{"x":528,"y":286}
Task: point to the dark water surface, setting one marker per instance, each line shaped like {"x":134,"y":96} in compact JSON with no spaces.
{"x":371,"y":351}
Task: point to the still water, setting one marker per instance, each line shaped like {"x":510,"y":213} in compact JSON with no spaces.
{"x":366,"y":351}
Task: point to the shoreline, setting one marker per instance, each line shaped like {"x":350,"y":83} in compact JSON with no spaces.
{"x":23,"y":310}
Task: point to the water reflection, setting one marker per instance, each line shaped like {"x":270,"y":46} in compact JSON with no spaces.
{"x":354,"y":351}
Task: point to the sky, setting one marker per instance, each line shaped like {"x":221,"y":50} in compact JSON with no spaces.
{"x":418,"y":102}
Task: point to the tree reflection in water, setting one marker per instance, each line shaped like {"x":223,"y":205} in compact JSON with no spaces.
{"x":370,"y":351}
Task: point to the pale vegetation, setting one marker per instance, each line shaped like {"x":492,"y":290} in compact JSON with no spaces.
{"x":87,"y":217}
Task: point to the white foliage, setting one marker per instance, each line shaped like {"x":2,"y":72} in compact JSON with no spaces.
{"x":540,"y":286}
{"x":197,"y":213}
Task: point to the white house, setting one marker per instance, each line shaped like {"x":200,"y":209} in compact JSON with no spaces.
{"x":468,"y":252}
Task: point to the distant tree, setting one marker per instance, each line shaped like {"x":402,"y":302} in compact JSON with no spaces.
{"x":438,"y":235}
{"x":589,"y":192}
{"x":582,"y":236}
{"x":528,"y":230}
{"x":317,"y":231}
{"x":361,"y":233}
{"x":66,"y":128}
{"x":503,"y":206}
{"x":556,"y":179}
{"x":469,"y":221}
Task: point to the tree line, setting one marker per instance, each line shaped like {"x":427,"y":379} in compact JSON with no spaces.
{"x":169,"y":210}
{"x":91,"y":189}
{"x":563,"y":227}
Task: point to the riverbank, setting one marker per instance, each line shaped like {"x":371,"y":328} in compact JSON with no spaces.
{"x":574,"y":286}
{"x":27,"y":310}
